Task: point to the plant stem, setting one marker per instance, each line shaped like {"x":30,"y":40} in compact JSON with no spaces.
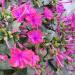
{"x":7,"y":43}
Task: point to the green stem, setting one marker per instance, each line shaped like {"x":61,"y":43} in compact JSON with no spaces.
{"x":7,"y":43}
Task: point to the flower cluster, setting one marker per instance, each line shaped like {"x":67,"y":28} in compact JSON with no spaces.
{"x":37,"y":35}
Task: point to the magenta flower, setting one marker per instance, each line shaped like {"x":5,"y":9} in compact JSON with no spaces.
{"x":60,"y":8}
{"x":31,"y":58}
{"x":35,"y":36}
{"x":18,"y":13}
{"x":22,"y":59}
{"x":48,"y":13}
{"x":35,"y":20}
{"x":29,"y":10}
{"x":26,"y":11}
{"x":67,"y":20}
{"x":22,"y":11}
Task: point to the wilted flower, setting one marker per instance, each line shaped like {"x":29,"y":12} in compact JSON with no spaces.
{"x":60,"y":57}
{"x":35,"y":36}
{"x":2,"y":3}
{"x":70,"y":50}
{"x":3,"y":57}
{"x":73,"y":21}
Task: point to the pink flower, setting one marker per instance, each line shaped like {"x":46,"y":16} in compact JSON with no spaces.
{"x":18,"y":13}
{"x":22,"y":59}
{"x":3,"y":57}
{"x":67,"y":20}
{"x":48,"y":13}
{"x":27,"y":12}
{"x":22,"y":11}
{"x":35,"y":20}
{"x":35,"y":36}
{"x":60,"y":8}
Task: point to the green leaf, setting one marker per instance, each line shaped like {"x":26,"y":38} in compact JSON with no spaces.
{"x":11,"y":41}
{"x":15,"y":25}
{"x":8,"y":72}
{"x":53,"y":67}
{"x":45,"y":2}
{"x":4,"y":49}
{"x":4,"y":65}
{"x":37,"y":3}
{"x":21,"y":72}
{"x":1,"y":17}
